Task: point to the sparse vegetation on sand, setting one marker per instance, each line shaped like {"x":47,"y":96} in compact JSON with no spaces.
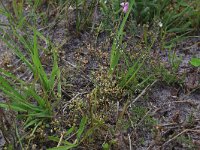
{"x":99,"y":74}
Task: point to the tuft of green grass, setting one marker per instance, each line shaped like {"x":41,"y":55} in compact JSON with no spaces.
{"x":31,"y":103}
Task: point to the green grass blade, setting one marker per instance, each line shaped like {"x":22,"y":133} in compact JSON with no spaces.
{"x":39,"y":99}
{"x":32,"y":122}
{"x":81,"y":127}
{"x":16,"y":108}
{"x":63,"y":147}
{"x":129,"y":73}
{"x":115,"y":53}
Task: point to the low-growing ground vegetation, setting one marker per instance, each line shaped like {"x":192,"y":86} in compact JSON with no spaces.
{"x":99,"y":74}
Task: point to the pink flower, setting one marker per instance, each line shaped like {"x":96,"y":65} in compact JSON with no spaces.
{"x":124,"y":6}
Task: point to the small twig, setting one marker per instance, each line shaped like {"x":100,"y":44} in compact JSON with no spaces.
{"x":167,"y":125}
{"x":117,"y":109}
{"x":184,"y":131}
{"x":65,"y":106}
{"x":78,"y":95}
{"x":60,"y":141}
{"x":130,"y":143}
{"x":150,"y":146}
{"x":71,"y":136}
{"x":67,"y":62}
{"x":143,"y":92}
{"x":190,"y":93}
{"x":155,"y":110}
{"x":186,"y":101}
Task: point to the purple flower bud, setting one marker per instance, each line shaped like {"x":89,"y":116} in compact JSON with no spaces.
{"x":124,"y":6}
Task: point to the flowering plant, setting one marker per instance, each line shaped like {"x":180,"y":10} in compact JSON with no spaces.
{"x":124,"y":6}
